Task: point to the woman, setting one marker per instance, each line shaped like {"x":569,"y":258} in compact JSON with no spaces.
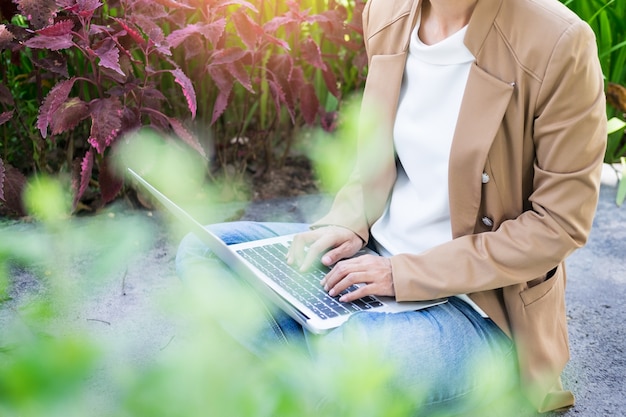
{"x":488,"y":159}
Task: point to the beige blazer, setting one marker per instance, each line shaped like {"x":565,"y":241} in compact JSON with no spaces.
{"x":524,"y":171}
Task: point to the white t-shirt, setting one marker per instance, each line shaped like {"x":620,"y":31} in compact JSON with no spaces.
{"x":417,"y":216}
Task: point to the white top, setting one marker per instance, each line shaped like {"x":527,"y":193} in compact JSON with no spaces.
{"x":417,"y":216}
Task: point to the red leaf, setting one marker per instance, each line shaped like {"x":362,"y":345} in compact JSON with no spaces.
{"x":187,"y":137}
{"x":58,"y":29}
{"x":53,"y":43}
{"x":5,"y":96}
{"x":278,"y":94}
{"x":312,"y":54}
{"x":12,"y":182}
{"x":132,"y":32}
{"x":110,"y":184}
{"x":69,"y":114}
{"x":56,"y":63}
{"x":80,"y":185}
{"x":6,"y":37}
{"x":109,"y":56}
{"x":55,"y":98}
{"x":247,"y":29}
{"x":106,"y":122}
{"x":190,"y":94}
{"x":40,"y":13}
{"x":331,"y":82}
{"x":5,"y":117}
{"x":309,"y":103}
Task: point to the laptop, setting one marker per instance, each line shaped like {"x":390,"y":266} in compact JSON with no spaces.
{"x":263,"y":264}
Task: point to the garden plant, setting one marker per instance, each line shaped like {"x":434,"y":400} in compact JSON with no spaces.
{"x":233,"y":80}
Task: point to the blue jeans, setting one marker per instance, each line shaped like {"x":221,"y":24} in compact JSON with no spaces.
{"x":440,"y":344}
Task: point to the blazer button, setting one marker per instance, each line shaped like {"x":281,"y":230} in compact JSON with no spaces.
{"x":487,"y":221}
{"x":485,"y":178}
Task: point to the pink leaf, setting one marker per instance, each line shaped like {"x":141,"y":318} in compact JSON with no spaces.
{"x":312,"y":54}
{"x":187,"y":137}
{"x":58,"y":29}
{"x":227,"y":56}
{"x":68,"y":115}
{"x":278,"y":22}
{"x":106,"y":122}
{"x":212,"y":32}
{"x":222,"y":78}
{"x":5,"y":117}
{"x":220,"y":105}
{"x":238,"y":70}
{"x":309,"y":103}
{"x":225,"y":3}
{"x":180,"y":35}
{"x":53,"y":43}
{"x":248,"y":30}
{"x":55,"y":98}
{"x":110,"y":184}
{"x":109,"y":56}
{"x":190,"y":94}
{"x":80,"y":185}
{"x":174,"y":4}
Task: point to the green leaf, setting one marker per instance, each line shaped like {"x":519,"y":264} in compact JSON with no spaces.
{"x":615,"y":124}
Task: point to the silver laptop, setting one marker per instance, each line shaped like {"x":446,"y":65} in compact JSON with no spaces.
{"x":263,"y":264}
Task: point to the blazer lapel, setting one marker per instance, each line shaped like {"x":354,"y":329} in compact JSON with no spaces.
{"x":475,"y":131}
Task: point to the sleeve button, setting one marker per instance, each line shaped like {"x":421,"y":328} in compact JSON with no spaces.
{"x":485,"y":178}
{"x":487,"y":221}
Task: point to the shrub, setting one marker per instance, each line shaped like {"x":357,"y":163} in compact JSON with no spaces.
{"x":260,"y":68}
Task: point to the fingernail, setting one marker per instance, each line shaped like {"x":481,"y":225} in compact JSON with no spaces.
{"x":326,"y":260}
{"x":342,"y":298}
{"x":331,"y":292}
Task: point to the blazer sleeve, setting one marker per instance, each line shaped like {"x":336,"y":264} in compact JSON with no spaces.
{"x":569,"y":137}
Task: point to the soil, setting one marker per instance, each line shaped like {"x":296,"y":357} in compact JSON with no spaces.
{"x":295,"y":178}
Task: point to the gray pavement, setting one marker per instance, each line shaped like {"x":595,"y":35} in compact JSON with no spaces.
{"x":596,"y":298}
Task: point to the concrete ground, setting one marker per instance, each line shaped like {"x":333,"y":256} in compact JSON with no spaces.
{"x":596,"y":298}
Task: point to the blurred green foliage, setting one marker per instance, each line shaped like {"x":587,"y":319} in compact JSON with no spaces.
{"x":53,"y":365}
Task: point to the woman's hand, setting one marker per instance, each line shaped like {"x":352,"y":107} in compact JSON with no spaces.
{"x":336,"y":244}
{"x":333,"y":242}
{"x":372,"y":270}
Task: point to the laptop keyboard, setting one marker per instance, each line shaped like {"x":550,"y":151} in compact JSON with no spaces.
{"x":304,"y":286}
